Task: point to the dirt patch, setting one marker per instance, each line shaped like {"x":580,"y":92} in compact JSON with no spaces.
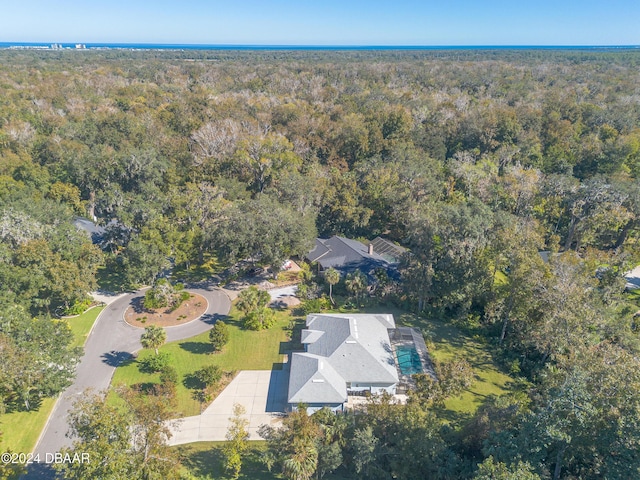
{"x":190,"y":309}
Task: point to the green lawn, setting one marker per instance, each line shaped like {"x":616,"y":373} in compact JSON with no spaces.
{"x":445,"y":342}
{"x":81,"y":325}
{"x":246,"y":350}
{"x":21,"y":429}
{"x":203,"y":460}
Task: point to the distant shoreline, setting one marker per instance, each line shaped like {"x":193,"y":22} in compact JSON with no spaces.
{"x":54,"y":46}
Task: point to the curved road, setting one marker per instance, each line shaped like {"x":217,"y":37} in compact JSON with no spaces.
{"x":111,"y":342}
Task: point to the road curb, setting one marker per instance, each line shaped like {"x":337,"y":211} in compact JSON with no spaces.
{"x":44,"y":429}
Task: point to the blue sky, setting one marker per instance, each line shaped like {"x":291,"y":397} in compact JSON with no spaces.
{"x":324,"y":22}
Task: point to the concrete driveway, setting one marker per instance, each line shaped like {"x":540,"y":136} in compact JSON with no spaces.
{"x":263,"y":393}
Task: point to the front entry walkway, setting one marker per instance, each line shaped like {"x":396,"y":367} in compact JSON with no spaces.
{"x":263,"y":393}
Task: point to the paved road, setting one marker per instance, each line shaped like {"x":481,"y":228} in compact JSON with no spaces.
{"x":111,"y":342}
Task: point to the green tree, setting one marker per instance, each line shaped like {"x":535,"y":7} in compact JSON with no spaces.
{"x":209,"y":375}
{"x":163,"y":294}
{"x":445,"y":269}
{"x":332,"y":276}
{"x":252,"y":299}
{"x":262,"y":230}
{"x":153,"y":337}
{"x":149,"y":434}
{"x":293,"y":447}
{"x":144,"y":258}
{"x":584,"y":423}
{"x":260,"y":319}
{"x":104,"y":433}
{"x":401,"y":441}
{"x":451,"y":378}
{"x":263,"y":158}
{"x":237,"y":442}
{"x":219,"y":335}
{"x":491,"y":470}
{"x":356,"y":283}
{"x":38,"y":360}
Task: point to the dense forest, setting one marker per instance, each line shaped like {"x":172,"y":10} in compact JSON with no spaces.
{"x":476,"y":161}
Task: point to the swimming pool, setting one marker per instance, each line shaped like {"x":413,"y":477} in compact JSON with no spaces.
{"x":408,"y":359}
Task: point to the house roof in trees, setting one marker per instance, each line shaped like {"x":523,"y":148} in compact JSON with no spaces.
{"x":346,"y":255}
{"x":94,"y":231}
{"x":388,"y":250}
{"x":633,"y":278}
{"x":341,"y":349}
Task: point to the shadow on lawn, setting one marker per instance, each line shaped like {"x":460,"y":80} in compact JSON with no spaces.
{"x":192,"y":382}
{"x":294,"y":332}
{"x":197,"y":347}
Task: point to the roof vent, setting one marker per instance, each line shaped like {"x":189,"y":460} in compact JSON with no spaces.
{"x":317,"y":380}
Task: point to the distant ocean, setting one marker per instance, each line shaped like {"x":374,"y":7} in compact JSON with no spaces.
{"x":159,"y":46}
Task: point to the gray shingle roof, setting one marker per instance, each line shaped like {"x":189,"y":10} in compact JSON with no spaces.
{"x":345,"y":254}
{"x":315,"y":381}
{"x":356,"y":347}
{"x":94,"y":231}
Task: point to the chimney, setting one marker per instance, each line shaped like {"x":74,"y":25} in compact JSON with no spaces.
{"x":371,"y":249}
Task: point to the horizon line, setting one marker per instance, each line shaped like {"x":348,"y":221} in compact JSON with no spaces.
{"x":307,"y":45}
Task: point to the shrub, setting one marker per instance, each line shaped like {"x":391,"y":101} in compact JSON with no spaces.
{"x":163,"y":294}
{"x":309,"y":291}
{"x":169,"y":382}
{"x":209,"y":375}
{"x":179,"y":299}
{"x":155,"y":363}
{"x":315,"y":305}
{"x":219,"y":335}
{"x":169,"y":375}
{"x":78,"y":307}
{"x":259,"y":319}
{"x":252,"y":299}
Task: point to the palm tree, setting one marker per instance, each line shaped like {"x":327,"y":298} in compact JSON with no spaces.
{"x":153,"y":337}
{"x":252,"y":299}
{"x":332,"y":276}
{"x":356,"y":283}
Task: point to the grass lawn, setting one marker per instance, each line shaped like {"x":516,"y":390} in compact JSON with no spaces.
{"x":445,"y":342}
{"x":21,"y":429}
{"x":246,"y":350}
{"x":81,"y":325}
{"x":633,"y":296}
{"x":203,"y":460}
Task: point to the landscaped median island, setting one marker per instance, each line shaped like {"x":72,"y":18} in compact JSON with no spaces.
{"x":139,"y":316}
{"x":165,"y":305}
{"x":21,"y":429}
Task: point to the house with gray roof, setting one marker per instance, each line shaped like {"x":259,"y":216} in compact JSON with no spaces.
{"x":343,"y":354}
{"x":347,"y":255}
